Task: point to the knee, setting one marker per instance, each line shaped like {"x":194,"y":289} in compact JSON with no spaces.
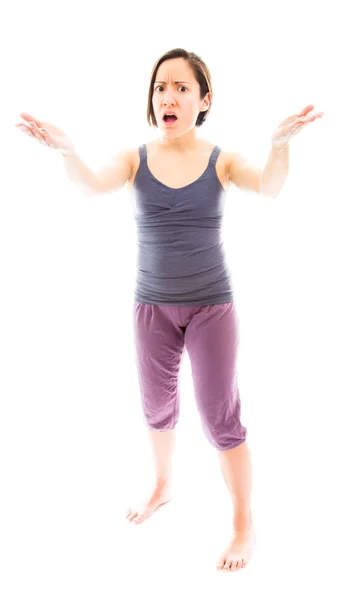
{"x":158,"y":423}
{"x":230,"y":446}
{"x":224,"y":439}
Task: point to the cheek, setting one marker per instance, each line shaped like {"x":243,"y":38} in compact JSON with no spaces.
{"x":190,"y":107}
{"x":157,"y":106}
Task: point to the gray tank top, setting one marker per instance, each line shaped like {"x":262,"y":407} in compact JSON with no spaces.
{"x":180,"y":259}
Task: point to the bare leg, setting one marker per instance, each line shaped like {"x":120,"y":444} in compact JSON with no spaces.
{"x":163,"y":444}
{"x":237,"y":472}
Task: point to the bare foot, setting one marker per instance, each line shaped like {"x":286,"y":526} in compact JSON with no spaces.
{"x":159,"y":496}
{"x":238,"y":553}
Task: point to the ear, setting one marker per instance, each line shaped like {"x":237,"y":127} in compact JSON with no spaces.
{"x":206,"y":101}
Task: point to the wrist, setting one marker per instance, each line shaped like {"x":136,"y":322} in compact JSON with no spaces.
{"x":67,"y":152}
{"x":280,"y":145}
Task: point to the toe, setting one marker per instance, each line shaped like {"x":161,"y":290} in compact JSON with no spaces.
{"x":132,"y":515}
{"x":239,"y":564}
{"x":138,"y":518}
{"x":227,"y":566}
{"x":221,"y":561}
{"x":233,"y":566}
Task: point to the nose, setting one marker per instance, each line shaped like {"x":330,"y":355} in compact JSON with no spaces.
{"x":168,"y":97}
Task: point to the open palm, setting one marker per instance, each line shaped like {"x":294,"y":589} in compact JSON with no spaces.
{"x":46,"y":133}
{"x":291,"y":126}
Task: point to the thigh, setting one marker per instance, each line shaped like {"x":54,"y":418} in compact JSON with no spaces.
{"x":158,"y":337}
{"x":211,"y":341}
{"x":159,"y":345}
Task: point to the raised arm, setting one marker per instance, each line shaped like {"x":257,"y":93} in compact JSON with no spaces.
{"x":109,"y":178}
{"x":115,"y":175}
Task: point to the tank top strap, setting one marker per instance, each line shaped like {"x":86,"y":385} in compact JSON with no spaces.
{"x":142,"y":152}
{"x":214,"y":155}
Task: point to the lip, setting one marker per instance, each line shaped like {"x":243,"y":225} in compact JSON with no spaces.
{"x":171,"y":123}
{"x":168,"y":112}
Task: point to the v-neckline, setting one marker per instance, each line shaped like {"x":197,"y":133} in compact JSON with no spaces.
{"x":184,"y":186}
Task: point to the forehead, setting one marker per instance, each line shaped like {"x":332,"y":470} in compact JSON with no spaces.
{"x":175,"y":69}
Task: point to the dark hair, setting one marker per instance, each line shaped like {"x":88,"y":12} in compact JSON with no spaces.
{"x":201,"y":74}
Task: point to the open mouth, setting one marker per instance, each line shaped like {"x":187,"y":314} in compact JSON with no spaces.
{"x":169,"y":118}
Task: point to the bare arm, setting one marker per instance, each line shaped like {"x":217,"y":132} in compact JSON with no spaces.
{"x":80,"y":173}
{"x":267,"y":181}
{"x":109,"y":178}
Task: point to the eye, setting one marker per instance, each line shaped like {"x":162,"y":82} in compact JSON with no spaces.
{"x":181,"y":86}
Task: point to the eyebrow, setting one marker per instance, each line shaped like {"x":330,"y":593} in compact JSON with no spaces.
{"x":174,"y":82}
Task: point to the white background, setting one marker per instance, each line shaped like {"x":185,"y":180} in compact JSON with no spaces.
{"x":74,"y":451}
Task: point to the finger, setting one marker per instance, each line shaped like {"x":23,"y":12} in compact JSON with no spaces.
{"x":29,"y":131}
{"x":29,"y":118}
{"x":21,"y":125}
{"x":300,"y":117}
{"x":37,"y":132}
{"x":47,"y":137}
{"x":317,"y":115}
{"x":303,"y":113}
{"x":309,"y":119}
{"x":44,"y":133}
{"x":25,"y":129}
{"x":306,"y":110}
{"x":302,"y":121}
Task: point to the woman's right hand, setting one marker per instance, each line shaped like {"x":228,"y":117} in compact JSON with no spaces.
{"x":45,"y":133}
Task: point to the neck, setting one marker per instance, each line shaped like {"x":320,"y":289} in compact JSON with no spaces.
{"x":184,"y":143}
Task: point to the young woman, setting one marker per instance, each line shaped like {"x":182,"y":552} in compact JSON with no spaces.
{"x":184,"y":298}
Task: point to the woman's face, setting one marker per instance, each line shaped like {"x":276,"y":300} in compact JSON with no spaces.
{"x":176,"y":90}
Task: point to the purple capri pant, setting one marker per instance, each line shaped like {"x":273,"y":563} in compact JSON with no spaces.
{"x":210,"y":336}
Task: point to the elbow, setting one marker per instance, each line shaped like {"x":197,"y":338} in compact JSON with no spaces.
{"x":268,"y":191}
{"x":87,"y":192}
{"x":92,"y":190}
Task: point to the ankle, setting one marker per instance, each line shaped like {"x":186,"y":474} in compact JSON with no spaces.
{"x":161,"y":483}
{"x":242,"y":521}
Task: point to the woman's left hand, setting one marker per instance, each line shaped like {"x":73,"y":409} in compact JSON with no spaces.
{"x":292,"y":125}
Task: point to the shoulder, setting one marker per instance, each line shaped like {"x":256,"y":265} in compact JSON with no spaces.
{"x":124,"y":155}
{"x":234,"y":161}
{"x":132,"y":158}
{"x":128,"y":157}
{"x":128,"y":153}
{"x":231,"y":159}
{"x":227,"y":158}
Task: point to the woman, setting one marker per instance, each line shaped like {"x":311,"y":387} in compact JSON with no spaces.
{"x":184,"y":299}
